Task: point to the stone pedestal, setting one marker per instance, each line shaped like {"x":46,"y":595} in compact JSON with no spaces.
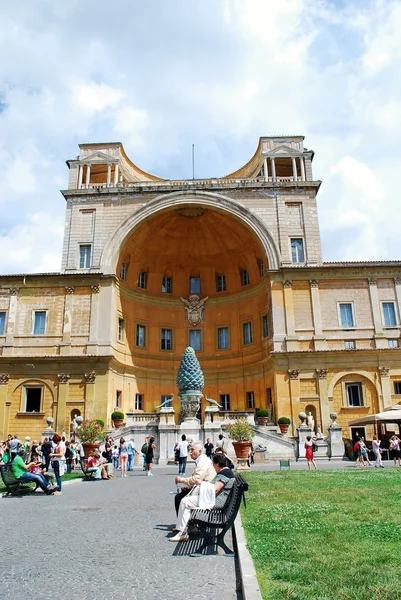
{"x":167,"y":415}
{"x":49,"y":431}
{"x":211,"y":414}
{"x":336,"y":447}
{"x":190,"y":402}
{"x":167,"y":434}
{"x":303,"y":432}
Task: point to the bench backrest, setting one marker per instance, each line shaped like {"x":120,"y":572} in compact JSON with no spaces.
{"x":7,"y":475}
{"x":232,"y":505}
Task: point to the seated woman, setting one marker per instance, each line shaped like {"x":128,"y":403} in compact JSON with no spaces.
{"x":223,"y":482}
{"x":37,"y":468}
{"x":94,"y":465}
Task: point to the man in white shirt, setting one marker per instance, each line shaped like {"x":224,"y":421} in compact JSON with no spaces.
{"x":204,"y":470}
{"x":183,"y":448}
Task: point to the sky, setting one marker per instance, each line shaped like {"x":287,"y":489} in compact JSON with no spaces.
{"x":162,"y":75}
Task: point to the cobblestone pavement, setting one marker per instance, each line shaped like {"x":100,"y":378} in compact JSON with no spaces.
{"x":105,"y":540}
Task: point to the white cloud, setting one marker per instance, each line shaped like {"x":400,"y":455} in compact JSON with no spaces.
{"x":94,"y":97}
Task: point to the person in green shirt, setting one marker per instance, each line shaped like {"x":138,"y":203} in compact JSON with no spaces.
{"x":21,"y":472}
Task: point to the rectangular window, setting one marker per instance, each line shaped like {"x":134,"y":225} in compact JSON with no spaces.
{"x":39,"y":323}
{"x":167,"y":285}
{"x":85,"y":256}
{"x":221,"y":283}
{"x":118,"y":398}
{"x":247,"y":333}
{"x":138,"y":401}
{"x":349,"y":345}
{"x":141,"y":336}
{"x":392,"y":343}
{"x":166,"y":339}
{"x":2,"y":323}
{"x":265,"y":326}
{"x":397,"y":387}
{"x":165,"y":397}
{"x":225,"y":401}
{"x":222,"y":338}
{"x":250,"y":399}
{"x":346,"y":314}
{"x":297,"y":250}
{"x":123,"y":271}
{"x":354,"y":394}
{"x":121,"y":329}
{"x":195,"y":339}
{"x":142,"y":277}
{"x":389,"y":317}
{"x":33,"y":399}
{"x":245,"y":279}
{"x":194,"y":285}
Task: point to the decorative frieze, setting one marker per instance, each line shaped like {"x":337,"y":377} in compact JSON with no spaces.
{"x":313,"y":283}
{"x":63,"y":377}
{"x":14,"y":291}
{"x":293,"y":373}
{"x":321,"y":373}
{"x":69,"y":289}
{"x":95,"y":289}
{"x":384,"y":371}
{"x":90,"y":377}
{"x":4,"y":378}
{"x":288,"y":284}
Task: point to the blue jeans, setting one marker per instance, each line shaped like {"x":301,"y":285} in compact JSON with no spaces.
{"x":130,"y":462}
{"x":183,"y":465}
{"x":36,"y":478}
{"x":115,"y":462}
{"x":56,"y":469}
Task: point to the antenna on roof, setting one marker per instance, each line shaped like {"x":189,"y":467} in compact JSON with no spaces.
{"x":193,"y":161}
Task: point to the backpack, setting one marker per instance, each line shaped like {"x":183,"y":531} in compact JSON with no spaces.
{"x":356,"y":447}
{"x":314,"y":448}
{"x":145,"y":448}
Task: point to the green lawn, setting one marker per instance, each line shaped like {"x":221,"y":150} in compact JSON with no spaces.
{"x":325,"y":535}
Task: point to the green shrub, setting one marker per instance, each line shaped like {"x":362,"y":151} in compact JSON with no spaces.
{"x":284,"y":421}
{"x":262,"y":413}
{"x":117,"y":414}
{"x":241,"y":431}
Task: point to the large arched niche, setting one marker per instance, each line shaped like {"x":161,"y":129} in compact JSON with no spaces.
{"x":175,"y":200}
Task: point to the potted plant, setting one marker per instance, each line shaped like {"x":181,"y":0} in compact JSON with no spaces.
{"x":118,"y":418}
{"x":262,"y":417}
{"x":91,"y":434}
{"x":284,"y":423}
{"x":241,"y":433}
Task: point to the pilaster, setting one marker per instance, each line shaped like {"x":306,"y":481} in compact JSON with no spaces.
{"x":63,"y":387}
{"x":90,"y":379}
{"x":295,"y":396}
{"x":291,"y":338}
{"x":384,"y":373}
{"x":321,"y":375}
{"x":12,"y":315}
{"x":5,"y":404}
{"x":380,"y":341}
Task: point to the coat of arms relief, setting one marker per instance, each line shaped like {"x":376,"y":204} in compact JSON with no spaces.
{"x":195,"y":308}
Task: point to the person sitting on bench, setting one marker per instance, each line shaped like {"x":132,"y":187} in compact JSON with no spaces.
{"x":223,"y":482}
{"x":95,"y":466}
{"x":203,"y":470}
{"x":21,"y":472}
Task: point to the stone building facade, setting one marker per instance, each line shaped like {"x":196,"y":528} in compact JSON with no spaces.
{"x":231,"y":266}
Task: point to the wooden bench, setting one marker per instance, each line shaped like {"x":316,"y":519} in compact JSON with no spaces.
{"x":13,"y":485}
{"x":87,"y":475}
{"x":209,"y":522}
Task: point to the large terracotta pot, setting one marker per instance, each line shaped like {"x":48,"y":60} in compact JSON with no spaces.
{"x":241,"y":449}
{"x":90,"y":447}
{"x":118,"y":423}
{"x":263,"y":421}
{"x":283,"y":427}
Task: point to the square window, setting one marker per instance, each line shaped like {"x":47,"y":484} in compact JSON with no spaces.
{"x":138,"y":401}
{"x":123,"y":271}
{"x":194,"y":285}
{"x":121,"y":329}
{"x":141,"y":336}
{"x":142,"y":280}
{"x":397,"y":387}
{"x":346,"y":315}
{"x":392,"y":343}
{"x":166,"y":339}
{"x":247,"y":333}
{"x":85,"y":256}
{"x":225,"y":401}
{"x":33,"y":399}
{"x":221,"y":283}
{"x":265,"y":326}
{"x":389,"y":317}
{"x":245,"y":279}
{"x":118,"y":398}
{"x":250,"y":399}
{"x":349,"y":344}
{"x":222,"y":338}
{"x":297,"y":250}
{"x":195,"y":339}
{"x":39,"y":324}
{"x":2,"y":323}
{"x":354,"y":394}
{"x":167,"y":285}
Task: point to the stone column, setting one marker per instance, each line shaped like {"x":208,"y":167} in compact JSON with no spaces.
{"x":5,"y":405}
{"x":90,"y":379}
{"x":381,"y":342}
{"x":294,"y":169}
{"x":88,"y":176}
{"x":386,"y":402}
{"x":265,"y":170}
{"x":63,"y":387}
{"x":80,"y":176}
{"x":273,"y":166}
{"x":301,"y":162}
{"x":291,"y":339}
{"x":321,"y":375}
{"x":295,"y":394}
{"x":108,"y":175}
{"x":116,"y":175}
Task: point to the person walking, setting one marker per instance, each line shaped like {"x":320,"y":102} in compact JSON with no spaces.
{"x":395,"y":450}
{"x":183,"y":446}
{"x":364,"y":453}
{"x":57,"y":458}
{"x":377,"y":452}
{"x":209,"y":448}
{"x":131,"y":454}
{"x":123,"y":453}
{"x":309,"y":453}
{"x":149,"y":455}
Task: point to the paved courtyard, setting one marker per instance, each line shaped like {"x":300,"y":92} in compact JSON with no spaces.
{"x":106,"y":540}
